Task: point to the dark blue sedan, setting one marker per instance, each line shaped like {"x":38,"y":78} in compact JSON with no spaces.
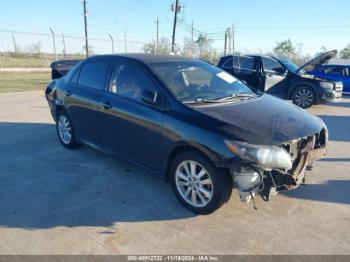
{"x":188,"y":122}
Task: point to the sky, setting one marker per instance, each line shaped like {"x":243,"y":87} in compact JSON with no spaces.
{"x":258,"y":24}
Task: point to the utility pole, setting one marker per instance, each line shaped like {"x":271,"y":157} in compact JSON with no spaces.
{"x":233,"y":38}
{"x":176,"y":9}
{"x":229,"y":39}
{"x":64,"y":46}
{"x":225,"y":43}
{"x":14,"y":44}
{"x":54,"y":43}
{"x":192,"y":39}
{"x":125,"y":49}
{"x":112,"y":40}
{"x":157,"y":47}
{"x":86,"y":31}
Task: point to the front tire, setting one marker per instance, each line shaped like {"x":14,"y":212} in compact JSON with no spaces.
{"x":304,"y":97}
{"x":198,"y":184}
{"x":65,"y":131}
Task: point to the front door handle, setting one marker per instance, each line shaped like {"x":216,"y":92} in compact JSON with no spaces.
{"x":68,"y":93}
{"x":106,"y":105}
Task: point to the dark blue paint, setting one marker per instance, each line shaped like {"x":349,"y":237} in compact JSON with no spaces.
{"x":147,"y":134}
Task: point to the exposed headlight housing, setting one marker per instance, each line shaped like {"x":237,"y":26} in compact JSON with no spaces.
{"x":266,"y":157}
{"x":326,"y":85}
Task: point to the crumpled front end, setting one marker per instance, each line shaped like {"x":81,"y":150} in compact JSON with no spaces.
{"x":252,"y":179}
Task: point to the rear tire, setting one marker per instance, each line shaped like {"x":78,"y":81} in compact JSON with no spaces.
{"x":198,"y":184}
{"x":65,"y":131}
{"x":304,"y":97}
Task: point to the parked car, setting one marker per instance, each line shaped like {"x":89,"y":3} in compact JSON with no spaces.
{"x":282,"y":78}
{"x":190,"y":123}
{"x":334,"y":73}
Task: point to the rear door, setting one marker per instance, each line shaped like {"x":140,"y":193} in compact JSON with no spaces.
{"x":83,"y":101}
{"x":246,"y":69}
{"x":274,"y":77}
{"x":132,"y":128}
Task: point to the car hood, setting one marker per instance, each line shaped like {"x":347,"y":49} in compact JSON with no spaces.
{"x":321,"y":59}
{"x":264,"y":121}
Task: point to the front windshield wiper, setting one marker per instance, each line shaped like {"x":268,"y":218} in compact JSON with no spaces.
{"x":199,"y":100}
{"x":218,"y":100}
{"x":241,"y":95}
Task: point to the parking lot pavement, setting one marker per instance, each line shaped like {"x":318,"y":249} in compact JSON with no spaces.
{"x":55,"y":201}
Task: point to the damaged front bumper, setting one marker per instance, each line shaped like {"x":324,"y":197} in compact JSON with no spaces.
{"x":251,"y":180}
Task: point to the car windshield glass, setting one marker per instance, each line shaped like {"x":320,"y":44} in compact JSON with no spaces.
{"x":291,"y":66}
{"x":198,"y":81}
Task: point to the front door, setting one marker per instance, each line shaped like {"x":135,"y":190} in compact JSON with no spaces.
{"x":274,"y":77}
{"x":132,"y":128}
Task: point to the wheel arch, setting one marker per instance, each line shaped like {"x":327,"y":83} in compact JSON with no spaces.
{"x":59,"y":108}
{"x":303,"y":84}
{"x":184,"y":147}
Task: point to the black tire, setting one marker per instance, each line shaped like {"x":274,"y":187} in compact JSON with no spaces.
{"x":221,"y":185}
{"x":304,"y":97}
{"x":70,"y":143}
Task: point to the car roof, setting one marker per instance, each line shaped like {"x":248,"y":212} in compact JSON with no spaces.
{"x":146,"y":58}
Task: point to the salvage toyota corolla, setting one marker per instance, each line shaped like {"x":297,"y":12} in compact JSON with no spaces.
{"x":189,"y":122}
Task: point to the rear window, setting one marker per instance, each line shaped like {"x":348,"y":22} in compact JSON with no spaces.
{"x":94,"y":74}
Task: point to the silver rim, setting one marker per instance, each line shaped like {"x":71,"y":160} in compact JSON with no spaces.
{"x":64,"y":129}
{"x":304,"y":97}
{"x":194,"y":183}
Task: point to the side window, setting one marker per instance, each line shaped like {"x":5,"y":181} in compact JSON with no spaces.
{"x":94,"y":74}
{"x":236,"y":61}
{"x":246,"y":63}
{"x":334,"y":70}
{"x":228,"y":64}
{"x":130,"y":81}
{"x":74,"y":79}
{"x":348,"y":71}
{"x":270,"y":64}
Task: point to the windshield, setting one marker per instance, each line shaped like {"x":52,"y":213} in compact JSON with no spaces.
{"x":198,"y":81}
{"x":291,"y":66}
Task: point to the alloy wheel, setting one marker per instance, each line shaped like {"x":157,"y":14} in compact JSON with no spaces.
{"x":194,"y":183}
{"x":64,"y":129}
{"x":304,"y":98}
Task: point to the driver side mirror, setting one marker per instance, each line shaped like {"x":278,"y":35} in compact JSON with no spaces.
{"x":279,"y":70}
{"x":149,"y":97}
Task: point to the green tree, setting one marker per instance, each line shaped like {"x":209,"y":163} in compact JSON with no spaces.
{"x":284,"y":48}
{"x":345,"y":53}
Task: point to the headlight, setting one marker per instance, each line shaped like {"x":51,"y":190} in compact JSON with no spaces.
{"x":267,"y":157}
{"x":326,"y":85}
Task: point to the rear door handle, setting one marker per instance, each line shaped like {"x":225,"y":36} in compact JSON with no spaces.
{"x":68,"y":93}
{"x":106,"y":105}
